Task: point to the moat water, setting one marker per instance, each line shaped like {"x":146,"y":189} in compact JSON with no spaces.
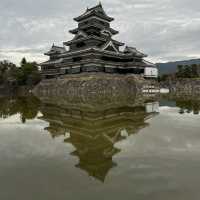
{"x":149,"y":150}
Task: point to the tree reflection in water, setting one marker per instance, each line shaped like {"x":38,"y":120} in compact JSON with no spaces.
{"x":189,"y":106}
{"x":27,"y":107}
{"x":92,"y":130}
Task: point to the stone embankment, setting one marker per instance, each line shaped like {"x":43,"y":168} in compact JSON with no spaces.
{"x":190,"y":87}
{"x":94,"y":88}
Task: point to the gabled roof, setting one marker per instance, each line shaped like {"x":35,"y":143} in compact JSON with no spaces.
{"x":118,"y":43}
{"x":55,"y":50}
{"x":134,"y":51}
{"x":150,"y":64}
{"x":96,"y":10}
{"x":110,"y":44}
{"x":75,"y":31}
{"x":80,"y":34}
{"x":110,"y":30}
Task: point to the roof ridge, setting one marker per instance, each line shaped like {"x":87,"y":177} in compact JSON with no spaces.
{"x":94,"y":7}
{"x":134,"y":50}
{"x":58,"y":46}
{"x":98,"y":9}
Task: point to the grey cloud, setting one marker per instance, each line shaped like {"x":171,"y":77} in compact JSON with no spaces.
{"x":166,"y":30}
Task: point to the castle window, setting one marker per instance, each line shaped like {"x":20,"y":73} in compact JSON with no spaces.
{"x":96,"y":34}
{"x":77,"y":59}
{"x":114,"y":59}
{"x":102,"y":23}
{"x":138,"y":60}
{"x":80,"y":44}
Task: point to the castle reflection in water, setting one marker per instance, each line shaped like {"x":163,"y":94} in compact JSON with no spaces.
{"x":92,"y":131}
{"x":95,"y":133}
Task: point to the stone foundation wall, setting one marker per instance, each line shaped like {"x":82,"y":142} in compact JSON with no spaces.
{"x":94,"y":88}
{"x":185,"y":87}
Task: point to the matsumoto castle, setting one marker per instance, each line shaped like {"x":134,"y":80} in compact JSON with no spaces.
{"x":93,"y":49}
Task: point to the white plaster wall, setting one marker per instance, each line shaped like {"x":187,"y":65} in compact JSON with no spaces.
{"x":151,"y":72}
{"x":152,"y":107}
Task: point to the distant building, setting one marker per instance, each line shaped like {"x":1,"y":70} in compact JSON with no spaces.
{"x":93,"y":49}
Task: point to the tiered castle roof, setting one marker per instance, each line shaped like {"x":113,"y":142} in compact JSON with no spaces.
{"x":94,"y":49}
{"x":94,"y":30}
{"x":97,"y":11}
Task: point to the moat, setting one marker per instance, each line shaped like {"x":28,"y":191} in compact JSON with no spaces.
{"x":146,"y":149}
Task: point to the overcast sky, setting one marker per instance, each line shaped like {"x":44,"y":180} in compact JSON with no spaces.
{"x":166,"y":30}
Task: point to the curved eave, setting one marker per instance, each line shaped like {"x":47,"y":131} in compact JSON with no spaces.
{"x":118,"y":43}
{"x":150,"y":64}
{"x":139,"y":55}
{"x":50,"y":53}
{"x":142,"y":55}
{"x":75,"y":31}
{"x":45,"y":63}
{"x":84,"y":39}
{"x":53,"y":62}
{"x":113,"y":31}
{"x":84,"y":16}
{"x":97,"y":50}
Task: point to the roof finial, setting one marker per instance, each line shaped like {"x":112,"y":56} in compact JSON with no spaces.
{"x":100,"y":3}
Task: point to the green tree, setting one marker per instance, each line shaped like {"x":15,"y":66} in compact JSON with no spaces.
{"x":194,"y":69}
{"x":23,"y":62}
{"x":186,"y":72}
{"x":31,"y":75}
{"x":7,"y":70}
{"x":180,"y":71}
{"x":27,"y":74}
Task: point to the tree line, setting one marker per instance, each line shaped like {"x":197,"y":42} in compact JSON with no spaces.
{"x":189,"y":106}
{"x":25,"y":74}
{"x":28,"y":107}
{"x":188,"y":71}
{"x":183,"y":71}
